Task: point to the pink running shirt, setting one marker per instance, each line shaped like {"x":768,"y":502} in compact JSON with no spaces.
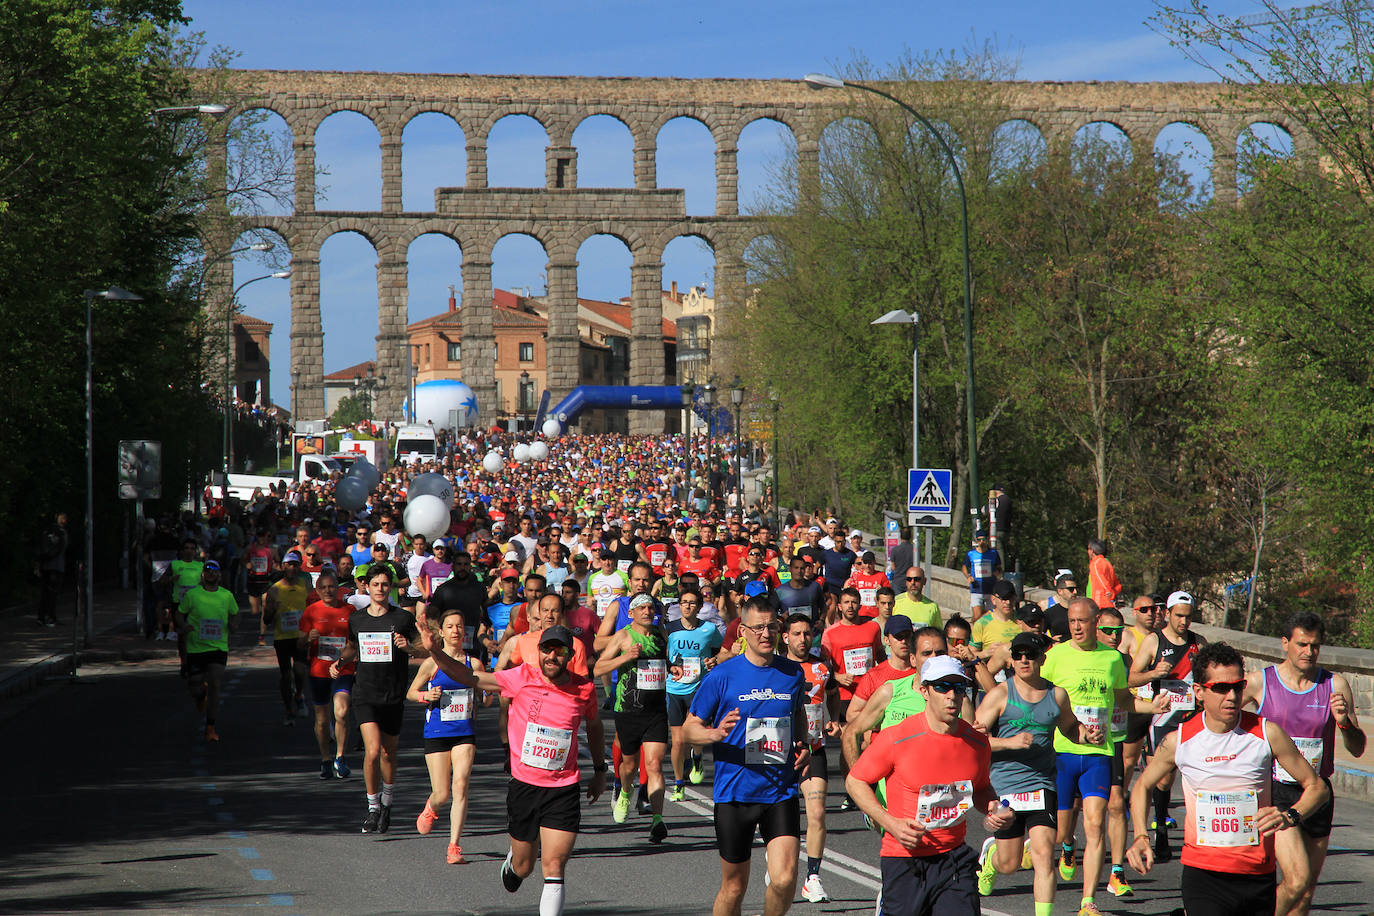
{"x":542,"y":725}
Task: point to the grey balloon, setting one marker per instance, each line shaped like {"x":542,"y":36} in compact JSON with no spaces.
{"x":366,"y":470}
{"x":431,"y":484}
{"x":351,"y":493}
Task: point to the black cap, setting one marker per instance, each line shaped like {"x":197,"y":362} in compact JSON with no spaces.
{"x":1004,"y":590}
{"x":1033,"y":641}
{"x":868,"y":557}
{"x":558,"y":634}
{"x":897,"y":625}
{"x":1030,"y":613}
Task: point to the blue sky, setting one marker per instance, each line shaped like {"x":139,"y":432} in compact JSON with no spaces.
{"x":760,"y":39}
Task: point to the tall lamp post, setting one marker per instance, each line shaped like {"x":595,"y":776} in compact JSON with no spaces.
{"x":900,"y":316}
{"x":523,"y":406}
{"x":824,"y":81}
{"x":708,"y":394}
{"x":737,"y":398}
{"x":228,"y":449}
{"x":688,"y":391}
{"x":777,"y":497}
{"x":120,"y":295}
{"x":363,"y":385}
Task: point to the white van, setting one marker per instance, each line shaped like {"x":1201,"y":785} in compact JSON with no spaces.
{"x":415,"y":443}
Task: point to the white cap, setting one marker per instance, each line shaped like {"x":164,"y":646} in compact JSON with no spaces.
{"x":1179,"y":598}
{"x":938,"y":667}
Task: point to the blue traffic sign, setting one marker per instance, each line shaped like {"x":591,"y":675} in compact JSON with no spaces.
{"x":929,"y":490}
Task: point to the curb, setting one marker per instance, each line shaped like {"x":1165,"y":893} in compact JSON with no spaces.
{"x":56,"y":665}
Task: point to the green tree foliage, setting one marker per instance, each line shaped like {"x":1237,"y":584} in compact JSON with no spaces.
{"x":350,"y":411}
{"x":89,"y":197}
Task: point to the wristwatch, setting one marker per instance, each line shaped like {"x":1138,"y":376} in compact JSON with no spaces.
{"x":1294,"y":817}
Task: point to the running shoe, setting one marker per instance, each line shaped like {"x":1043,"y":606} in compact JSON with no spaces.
{"x":454,"y":856}
{"x":658,"y":832}
{"x":1088,"y":908}
{"x":509,"y":879}
{"x":846,"y":803}
{"x":642,"y":805}
{"x":677,"y":794}
{"x":621,"y":809}
{"x":813,"y":891}
{"x":341,"y":769}
{"x":372,"y":822}
{"x":987,"y":871}
{"x":1068,"y":864}
{"x":698,"y":771}
{"x":326,"y":770}
{"x":1118,"y":886}
{"x":1169,"y":824}
{"x":425,"y":822}
{"x":288,"y":719}
{"x":384,"y":823}
{"x":211,"y":734}
{"x":262,"y":641}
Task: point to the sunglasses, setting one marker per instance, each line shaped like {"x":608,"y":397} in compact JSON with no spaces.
{"x":1112,"y":631}
{"x":1022,"y":655}
{"x":957,"y":640}
{"x":1225,"y":687}
{"x":558,"y":650}
{"x":954,"y":687}
{"x":915,"y":578}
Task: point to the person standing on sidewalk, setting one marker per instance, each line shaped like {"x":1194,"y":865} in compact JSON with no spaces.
{"x":51,"y":567}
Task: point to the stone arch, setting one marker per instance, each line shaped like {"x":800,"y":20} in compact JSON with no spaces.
{"x":1016,"y":143}
{"x":603,"y":168}
{"x":1259,"y":139}
{"x":363,"y":226}
{"x":429,"y":159}
{"x":685,"y":144}
{"x":1106,"y":135}
{"x":433,"y":226}
{"x":706,"y":116}
{"x":248,"y":183}
{"x":460,"y":114}
{"x":317,"y":113}
{"x":625,"y":234}
{"x":1182,"y":141}
{"x":348,"y":305}
{"x":352,"y":172}
{"x":757,"y":172}
{"x":525,"y":154}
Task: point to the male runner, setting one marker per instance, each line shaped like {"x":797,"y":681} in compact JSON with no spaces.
{"x":820,"y":696}
{"x":914,"y":604}
{"x":548,"y":705}
{"x":692,"y":648}
{"x":1226,"y":757}
{"x":936,"y":767}
{"x":1309,"y":704}
{"x":204,"y":617}
{"x":325,"y":625}
{"x":751,"y":708}
{"x":898,"y":640}
{"x":285,"y":602}
{"x":850,"y":646}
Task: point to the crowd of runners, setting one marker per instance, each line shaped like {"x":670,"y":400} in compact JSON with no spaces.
{"x":608,"y":583}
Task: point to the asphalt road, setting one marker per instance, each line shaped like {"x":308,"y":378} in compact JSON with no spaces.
{"x":117,"y":804}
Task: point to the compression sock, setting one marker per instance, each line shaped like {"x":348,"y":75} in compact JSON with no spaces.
{"x":1161,"y":800}
{"x":1084,"y":902}
{"x":373,"y":802}
{"x":1068,"y":848}
{"x":386,"y":793}
{"x":1044,"y":909}
{"x":551,"y":901}
{"x":813,"y":865}
{"x":1119,"y":870}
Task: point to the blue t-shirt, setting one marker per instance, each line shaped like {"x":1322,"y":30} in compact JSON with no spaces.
{"x":703,"y":642}
{"x":754,"y":764}
{"x":499,"y":614}
{"x":361,"y":554}
{"x":981,"y":563}
{"x":837,"y":565}
{"x":804,"y":600}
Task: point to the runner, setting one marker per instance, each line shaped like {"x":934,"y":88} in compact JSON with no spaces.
{"x":382,"y":639}
{"x":849,"y":647}
{"x":821,"y":696}
{"x":914,"y":604}
{"x":325,"y":625}
{"x":1021,"y":716}
{"x":548,"y":705}
{"x":204,"y":618}
{"x":450,"y":742}
{"x":285,"y":601}
{"x":1309,"y":704}
{"x":641,"y":712}
{"x":867,"y":578}
{"x":692,"y":647}
{"x":1056,"y":606}
{"x":898,"y":639}
{"x":982,"y":565}
{"x":938,"y":765}
{"x":1226,"y":757}
{"x":751,"y":709}
{"x":261,"y":561}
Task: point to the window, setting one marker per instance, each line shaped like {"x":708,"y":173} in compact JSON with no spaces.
{"x":455,"y":352}
{"x":252,"y":353}
{"x":526,"y":395}
{"x":526,"y":352}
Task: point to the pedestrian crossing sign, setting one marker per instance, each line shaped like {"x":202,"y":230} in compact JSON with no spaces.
{"x":928,"y":490}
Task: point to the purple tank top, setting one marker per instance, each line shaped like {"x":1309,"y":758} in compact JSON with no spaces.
{"x":1305,"y":715}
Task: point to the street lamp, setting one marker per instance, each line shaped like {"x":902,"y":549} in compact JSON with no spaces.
{"x":361,"y":384}
{"x":688,"y":391}
{"x":228,"y":450}
{"x":824,"y":81}
{"x":215,"y":110}
{"x":708,"y":394}
{"x":777,"y":497}
{"x":524,"y":399}
{"x":899,"y":316}
{"x":737,"y":398}
{"x":120,"y":295}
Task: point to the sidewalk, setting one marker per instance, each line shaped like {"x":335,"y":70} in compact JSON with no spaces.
{"x":30,"y":653}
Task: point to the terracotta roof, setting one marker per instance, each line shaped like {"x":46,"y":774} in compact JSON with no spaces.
{"x":619,"y":313}
{"x":511,"y":310}
{"x":248,"y":321}
{"x":352,"y":372}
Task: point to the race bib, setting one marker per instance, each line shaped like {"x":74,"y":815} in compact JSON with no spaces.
{"x":259,"y":566}
{"x":1311,"y":749}
{"x":436,"y":581}
{"x":211,"y":629}
{"x":1227,"y":818}
{"x":455,"y":705}
{"x":858,"y":661}
{"x":868,"y":597}
{"x":656,"y":557}
{"x":768,"y":741}
{"x":602,"y":602}
{"x":314,"y":577}
{"x":330,"y":648}
{"x":1025,"y":801}
{"x":1146,"y":691}
{"x":691,"y":669}
{"x":651,"y":674}
{"x":545,"y":747}
{"x":944,"y":806}
{"x":1091,"y":715}
{"x":815,"y":721}
{"x":623,"y":565}
{"x":1119,"y":716}
{"x":374,"y":647}
{"x":1181,"y":697}
{"x":290,"y":620}
{"x":982,"y":569}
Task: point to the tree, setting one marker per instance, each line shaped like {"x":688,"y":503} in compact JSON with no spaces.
{"x":350,"y":411}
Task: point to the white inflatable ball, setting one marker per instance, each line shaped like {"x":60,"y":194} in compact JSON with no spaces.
{"x":493,"y":462}
{"x":539,"y":451}
{"x":521,"y":453}
{"x":552,"y":428}
{"x":427,"y":515}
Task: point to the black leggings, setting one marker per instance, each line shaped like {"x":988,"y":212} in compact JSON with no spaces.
{"x":291,"y":670}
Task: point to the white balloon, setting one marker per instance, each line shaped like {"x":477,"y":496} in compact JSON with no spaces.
{"x":427,"y":515}
{"x":521,"y":454}
{"x":493,"y":462}
{"x":552,"y":428}
{"x":539,"y":451}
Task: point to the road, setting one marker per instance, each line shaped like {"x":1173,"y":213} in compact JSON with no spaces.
{"x":117,"y":804}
